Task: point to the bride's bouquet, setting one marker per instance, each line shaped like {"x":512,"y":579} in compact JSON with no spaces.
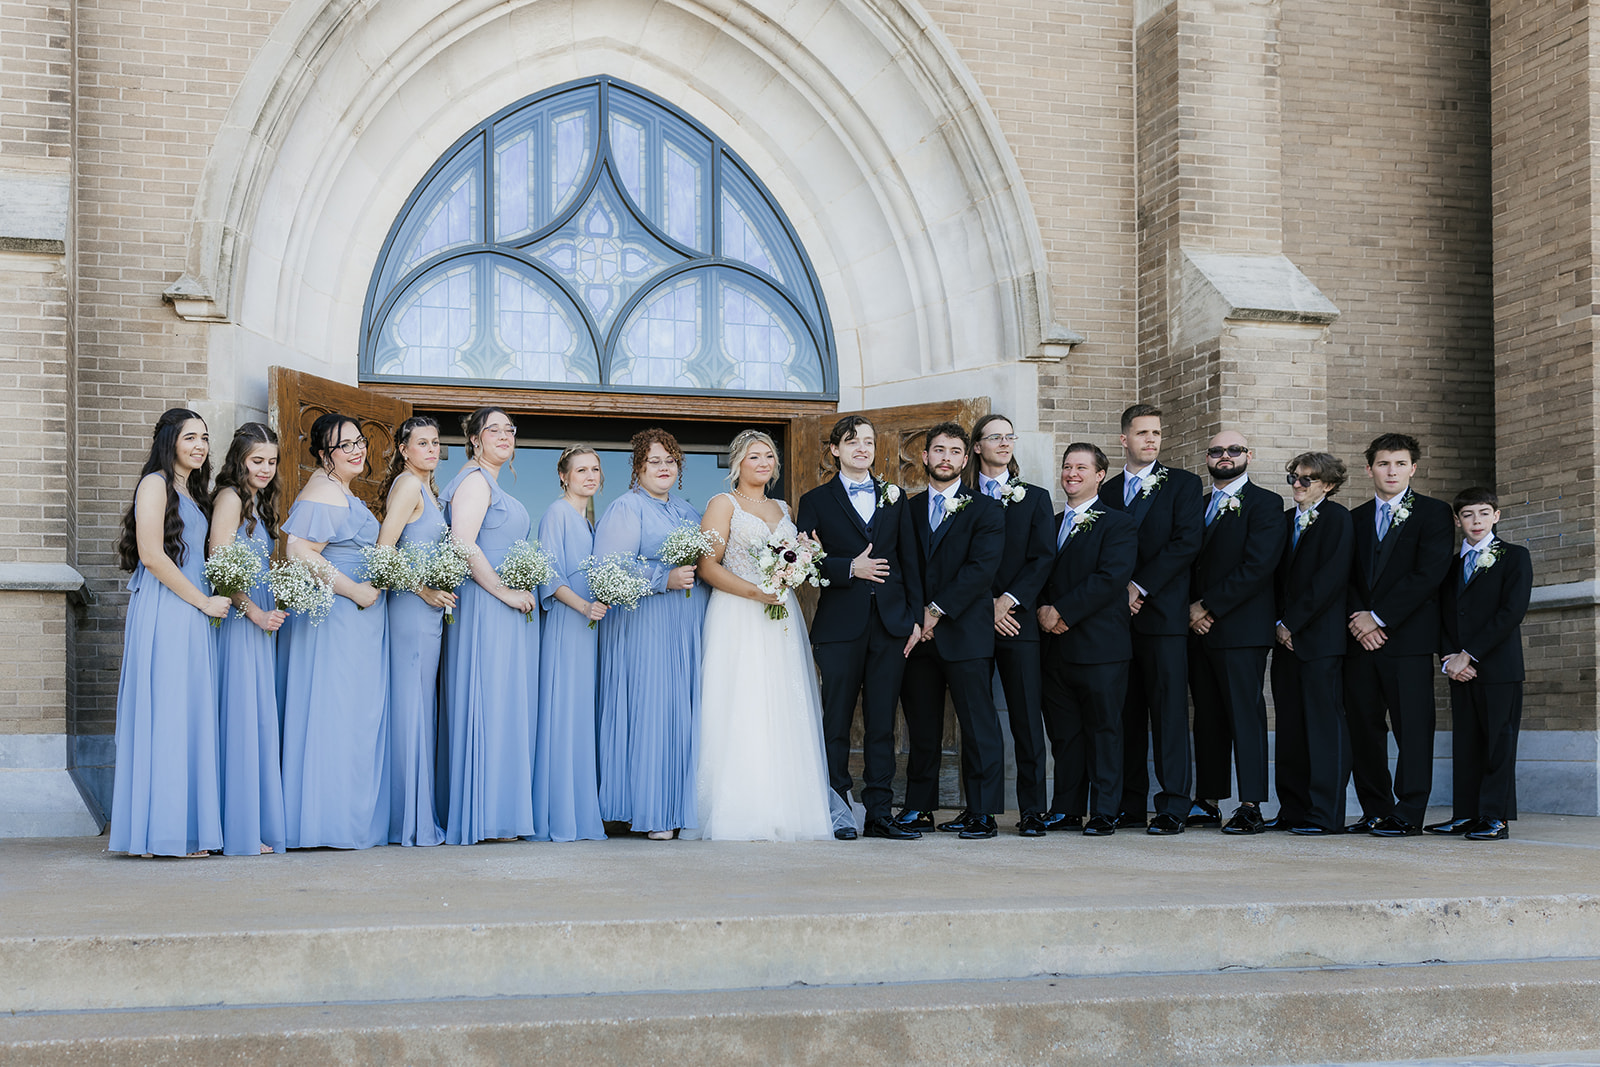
{"x":788,"y":563}
{"x":233,"y":569}
{"x":526,"y":566}
{"x":686,"y":544}
{"x":616,"y":580}
{"x":303,"y":587}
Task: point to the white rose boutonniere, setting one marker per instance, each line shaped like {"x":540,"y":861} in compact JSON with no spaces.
{"x":1229,"y":505}
{"x":1083,"y":522}
{"x":1153,"y":483}
{"x":888,"y":493}
{"x":1402,"y":510}
{"x":1013,"y":493}
{"x":956,"y":505}
{"x":1490,"y":558}
{"x":1306,"y":519}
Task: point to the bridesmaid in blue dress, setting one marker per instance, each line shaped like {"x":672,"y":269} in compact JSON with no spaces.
{"x":166,"y":794}
{"x":650,"y":657}
{"x":412,"y":517}
{"x":491,"y":655}
{"x":246,"y":505}
{"x":566,"y":791}
{"x":336,"y":674}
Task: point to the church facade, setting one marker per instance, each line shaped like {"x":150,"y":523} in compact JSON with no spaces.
{"x":1313,"y":222}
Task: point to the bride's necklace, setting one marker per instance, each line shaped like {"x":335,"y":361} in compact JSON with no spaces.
{"x":763,"y":498}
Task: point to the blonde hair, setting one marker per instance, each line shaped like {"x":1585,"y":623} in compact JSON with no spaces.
{"x":746,"y":440}
{"x":564,"y":466}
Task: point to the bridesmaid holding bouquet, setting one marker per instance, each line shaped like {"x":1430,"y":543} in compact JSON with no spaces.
{"x":413,"y":520}
{"x":336,"y":672}
{"x":246,"y":506}
{"x":166,"y":794}
{"x":491,"y":657}
{"x":566,"y":799}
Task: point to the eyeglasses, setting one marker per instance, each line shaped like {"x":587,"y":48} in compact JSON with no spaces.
{"x":657,"y":464}
{"x":509,"y":429}
{"x":996,"y":438}
{"x":350,"y":448}
{"x":1304,"y":481}
{"x":1231,"y":450}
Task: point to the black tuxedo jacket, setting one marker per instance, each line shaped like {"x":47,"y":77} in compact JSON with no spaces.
{"x":1399,"y":579}
{"x":954,"y":567}
{"x":1233,"y":573}
{"x":1030,"y":548}
{"x":1312,"y":579}
{"x":1088,"y":585}
{"x":1170,"y":522}
{"x":1484,"y":616}
{"x":842,"y":604}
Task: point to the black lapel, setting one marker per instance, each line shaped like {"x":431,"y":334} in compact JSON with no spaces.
{"x":1209,"y":531}
{"x":936,"y":536}
{"x":842,"y":496}
{"x":920,"y":523}
{"x":1141,"y":502}
{"x":1385,"y":548}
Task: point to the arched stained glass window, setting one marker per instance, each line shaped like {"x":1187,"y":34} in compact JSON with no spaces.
{"x":593,"y":237}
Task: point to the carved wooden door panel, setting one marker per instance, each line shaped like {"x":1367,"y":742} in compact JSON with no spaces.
{"x":297,"y":399}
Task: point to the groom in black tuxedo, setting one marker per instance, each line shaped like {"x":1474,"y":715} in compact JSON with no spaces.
{"x":954,"y":539}
{"x":863,"y":618}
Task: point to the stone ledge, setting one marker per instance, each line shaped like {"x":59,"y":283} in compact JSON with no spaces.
{"x":33,"y":246}
{"x":40,"y":578}
{"x":1565,"y":595}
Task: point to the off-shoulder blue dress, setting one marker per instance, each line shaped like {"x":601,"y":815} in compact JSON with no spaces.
{"x":649,"y":675}
{"x":415,"y":633}
{"x":566,"y":790}
{"x":491,"y":689}
{"x":336,"y":697}
{"x":252,"y":775}
{"x":166,"y":791}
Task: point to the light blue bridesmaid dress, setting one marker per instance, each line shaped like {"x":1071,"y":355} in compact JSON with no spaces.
{"x":415,"y":633}
{"x":166,"y":793}
{"x":336,"y":697}
{"x":566,"y":791}
{"x":491,"y":689}
{"x":649,"y":675}
{"x":252,"y":776}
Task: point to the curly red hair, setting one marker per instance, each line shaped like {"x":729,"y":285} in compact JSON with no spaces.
{"x":641,"y":451}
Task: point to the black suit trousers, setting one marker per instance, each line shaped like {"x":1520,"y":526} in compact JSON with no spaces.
{"x":1155,"y":720}
{"x":868,"y":667}
{"x":1230,"y":718}
{"x":1017,"y":663}
{"x":1313,"y":745}
{"x":1380,"y":693}
{"x":1083,"y":714}
{"x":971,"y":686}
{"x":1485,"y":718}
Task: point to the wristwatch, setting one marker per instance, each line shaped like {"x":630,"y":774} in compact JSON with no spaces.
{"x":935,"y":610}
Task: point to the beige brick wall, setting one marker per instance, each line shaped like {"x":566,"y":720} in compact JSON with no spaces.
{"x":34,"y":501}
{"x":35,"y":79}
{"x":33,"y":638}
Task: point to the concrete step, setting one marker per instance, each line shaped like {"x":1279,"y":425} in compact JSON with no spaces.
{"x":1280,"y":1016}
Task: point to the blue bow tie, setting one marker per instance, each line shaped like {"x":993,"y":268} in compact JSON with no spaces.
{"x":853,"y":488}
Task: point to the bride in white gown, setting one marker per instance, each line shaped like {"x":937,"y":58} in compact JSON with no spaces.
{"x":762,"y":774}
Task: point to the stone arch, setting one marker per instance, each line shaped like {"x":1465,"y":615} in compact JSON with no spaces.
{"x":857,"y":114}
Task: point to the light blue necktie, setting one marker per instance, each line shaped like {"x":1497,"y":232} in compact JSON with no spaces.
{"x":1130,"y":489}
{"x":1211,"y":508}
{"x":991,"y":486}
{"x":1066,"y":527}
{"x":938,"y":511}
{"x":1299,"y":528}
{"x":1470,"y":564}
{"x":1383,"y":521}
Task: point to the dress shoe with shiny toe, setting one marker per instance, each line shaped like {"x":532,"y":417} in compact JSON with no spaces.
{"x":1278,"y":822}
{"x":1164,"y":825}
{"x":1204,"y":813}
{"x":1453,"y":828}
{"x":978,"y":826}
{"x":1395,"y":826}
{"x":1246,"y":820}
{"x":845,"y":833}
{"x":1031,"y":825}
{"x":1100,"y":826}
{"x":1489,"y":830}
{"x":890,"y":830}
{"x":912,"y":819}
{"x":1311,"y":829}
{"x":1132,"y":820}
{"x":957,"y":824}
{"x":1364,"y":825}
{"x":1059,"y":821}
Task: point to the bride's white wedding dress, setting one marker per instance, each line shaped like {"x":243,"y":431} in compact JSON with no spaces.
{"x":762,"y":773}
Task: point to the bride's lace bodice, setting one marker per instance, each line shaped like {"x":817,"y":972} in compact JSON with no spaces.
{"x":747,"y":534}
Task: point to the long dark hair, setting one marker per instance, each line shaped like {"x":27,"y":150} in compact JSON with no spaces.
{"x":397,"y":462}
{"x":977,"y":431}
{"x":236,"y":476}
{"x":163,"y":460}
{"x":325,"y":434}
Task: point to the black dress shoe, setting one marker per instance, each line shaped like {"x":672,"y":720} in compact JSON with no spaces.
{"x":1164,"y":825}
{"x":1395,"y":826}
{"x":888,"y":828}
{"x":1278,"y":822}
{"x":912,"y":819}
{"x":1453,"y":827}
{"x":1204,"y":813}
{"x":1058,"y":821}
{"x":1129,"y":820}
{"x":957,"y":824}
{"x":978,"y":826}
{"x":1100,"y":826}
{"x":1364,"y":826}
{"x":1310,"y":829}
{"x":1031,"y":825}
{"x":1489,"y":830}
{"x":1246,"y":820}
{"x":845,"y":833}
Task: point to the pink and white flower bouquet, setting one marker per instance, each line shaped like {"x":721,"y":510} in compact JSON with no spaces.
{"x":786,"y":564}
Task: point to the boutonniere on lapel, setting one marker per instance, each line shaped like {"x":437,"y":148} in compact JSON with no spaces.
{"x":888,"y":493}
{"x":1083,"y":522}
{"x":1490,"y":558}
{"x":1153,"y":484}
{"x":1013,"y":492}
{"x":1229,"y":505}
{"x":1305,"y":519}
{"x":955,"y":505}
{"x":1402,"y":511}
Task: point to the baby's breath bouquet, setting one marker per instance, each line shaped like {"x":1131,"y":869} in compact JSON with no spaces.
{"x":617,"y":580}
{"x":686,"y":544}
{"x":388,"y":567}
{"x":526,"y":566}
{"x":303,"y":587}
{"x":443,"y":565}
{"x":233,"y":569}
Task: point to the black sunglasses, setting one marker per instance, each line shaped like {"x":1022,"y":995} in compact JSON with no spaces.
{"x":1302,"y":480}
{"x":1231,"y":450}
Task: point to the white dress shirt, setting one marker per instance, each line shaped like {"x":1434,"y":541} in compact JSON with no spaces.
{"x":864,"y":503}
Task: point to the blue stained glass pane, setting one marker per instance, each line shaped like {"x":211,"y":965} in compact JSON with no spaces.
{"x":511,"y":186}
{"x":753,"y":234}
{"x":431,"y":326}
{"x":662,"y":341}
{"x":447,"y":215}
{"x":764,"y":340}
{"x":682,"y":198}
{"x":574,"y":138}
{"x":543,"y":155}
{"x":540,"y":340}
{"x":628,"y":154}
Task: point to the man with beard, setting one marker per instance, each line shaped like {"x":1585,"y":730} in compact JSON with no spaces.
{"x":1234,"y":624}
{"x":952,"y":540}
